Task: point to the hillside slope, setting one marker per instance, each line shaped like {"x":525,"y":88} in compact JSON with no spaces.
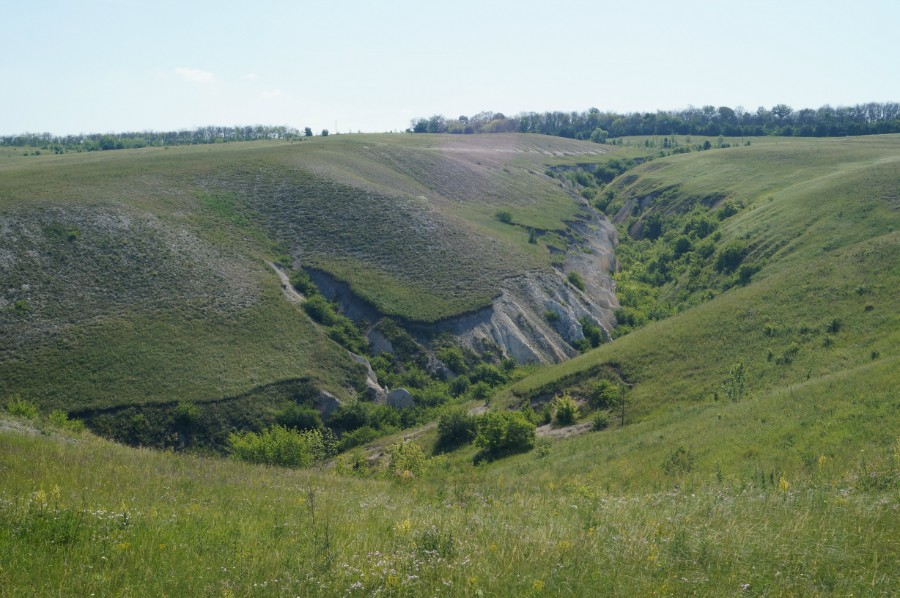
{"x":139,"y":276}
{"x":819,"y":228}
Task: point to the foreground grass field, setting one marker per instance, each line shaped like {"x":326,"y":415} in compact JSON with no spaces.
{"x":795,"y":492}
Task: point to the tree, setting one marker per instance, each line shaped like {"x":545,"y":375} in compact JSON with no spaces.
{"x":307,"y":132}
{"x":324,"y":132}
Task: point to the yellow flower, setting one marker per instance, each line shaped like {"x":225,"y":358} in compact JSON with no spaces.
{"x":783,"y":484}
{"x":822,"y":460}
{"x":538,"y":585}
{"x":403,"y":527}
{"x":55,"y":494}
{"x":392,"y":581}
{"x":493,"y":548}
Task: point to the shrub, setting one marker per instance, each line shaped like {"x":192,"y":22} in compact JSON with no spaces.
{"x":592,"y":332}
{"x":504,"y":216}
{"x":678,"y":461}
{"x":504,"y":432}
{"x":600,"y":421}
{"x":487,"y":373}
{"x":480,"y":391}
{"x":299,"y":417}
{"x":575,"y":280}
{"x":603,"y":395}
{"x":730,"y":256}
{"x":358,"y":437}
{"x":455,"y":427}
{"x":406,"y":457}
{"x":735,"y":385}
{"x":185,"y":416}
{"x":278,"y":445}
{"x":304,"y":283}
{"x":454,"y":359}
{"x":566,"y":409}
{"x":60,"y":419}
{"x":320,"y":310}
{"x":19,"y":407}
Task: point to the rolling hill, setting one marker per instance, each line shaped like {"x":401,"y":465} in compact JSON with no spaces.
{"x":754,"y":449}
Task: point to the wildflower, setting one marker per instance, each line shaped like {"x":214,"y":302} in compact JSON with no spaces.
{"x":538,"y":585}
{"x":822,"y":460}
{"x":403,"y":527}
{"x":783,"y":484}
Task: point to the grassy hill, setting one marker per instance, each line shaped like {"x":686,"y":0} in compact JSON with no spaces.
{"x":138,"y":276}
{"x":791,"y":488}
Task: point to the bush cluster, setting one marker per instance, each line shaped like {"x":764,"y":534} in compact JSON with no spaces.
{"x":278,"y":445}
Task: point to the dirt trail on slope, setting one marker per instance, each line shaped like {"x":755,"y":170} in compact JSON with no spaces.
{"x":287,"y":288}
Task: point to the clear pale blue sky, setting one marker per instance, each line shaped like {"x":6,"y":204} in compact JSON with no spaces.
{"x":71,"y":66}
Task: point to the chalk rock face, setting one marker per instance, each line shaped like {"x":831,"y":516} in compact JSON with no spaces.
{"x":373,"y":390}
{"x":517,"y":321}
{"x":326,"y":403}
{"x":399,"y":398}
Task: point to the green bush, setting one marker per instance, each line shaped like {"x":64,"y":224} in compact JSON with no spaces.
{"x":504,"y":216}
{"x":487,"y":373}
{"x":358,"y":437}
{"x":453,"y":358}
{"x":680,"y":460}
{"x":566,"y":409}
{"x":19,"y":407}
{"x":455,"y":427}
{"x":278,"y":445}
{"x":299,"y":417}
{"x":576,"y":281}
{"x":60,"y":419}
{"x":480,"y":391}
{"x":501,"y":432}
{"x":406,"y":458}
{"x":320,"y":310}
{"x":603,"y":395}
{"x":304,"y":284}
{"x":730,"y":256}
{"x":600,"y":421}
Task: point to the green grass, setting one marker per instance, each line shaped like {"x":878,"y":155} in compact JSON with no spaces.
{"x":791,"y":490}
{"x":780,"y":488}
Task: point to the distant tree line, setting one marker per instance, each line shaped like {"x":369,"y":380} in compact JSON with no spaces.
{"x":112,"y":141}
{"x":780,"y":120}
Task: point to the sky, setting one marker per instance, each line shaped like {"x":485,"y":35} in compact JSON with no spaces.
{"x":96,"y":66}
